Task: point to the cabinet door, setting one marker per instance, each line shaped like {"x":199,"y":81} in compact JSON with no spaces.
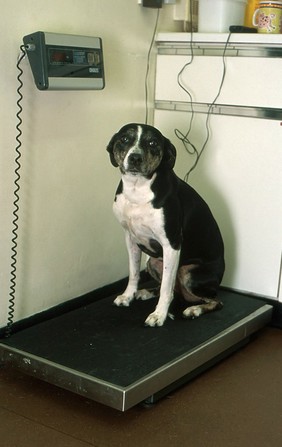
{"x":239,"y":175}
{"x":249,"y":81}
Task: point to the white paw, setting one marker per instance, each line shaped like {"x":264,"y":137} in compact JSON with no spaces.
{"x":155,"y":319}
{"x":192,"y":312}
{"x":123,"y":300}
{"x":144,"y":294}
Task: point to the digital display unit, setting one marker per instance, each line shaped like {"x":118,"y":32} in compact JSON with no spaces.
{"x":65,"y":61}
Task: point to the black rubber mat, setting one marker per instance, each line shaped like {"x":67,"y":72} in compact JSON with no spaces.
{"x":112,"y":343}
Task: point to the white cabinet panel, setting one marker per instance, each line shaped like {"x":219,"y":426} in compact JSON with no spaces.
{"x":239,"y":175}
{"x":249,"y":81}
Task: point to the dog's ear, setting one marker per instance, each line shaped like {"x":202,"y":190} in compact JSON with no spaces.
{"x":110,"y":149}
{"x":169,"y":155}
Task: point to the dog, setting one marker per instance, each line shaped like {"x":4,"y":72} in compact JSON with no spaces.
{"x":168,"y":220}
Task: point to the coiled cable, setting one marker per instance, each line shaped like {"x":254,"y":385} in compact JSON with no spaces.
{"x":15,"y":226}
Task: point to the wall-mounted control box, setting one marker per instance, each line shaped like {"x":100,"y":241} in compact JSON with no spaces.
{"x":65,"y":61}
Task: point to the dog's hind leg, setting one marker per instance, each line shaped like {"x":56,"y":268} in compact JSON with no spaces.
{"x":202,"y":304}
{"x":207,"y":305}
{"x":154,"y":268}
{"x":147,"y":294}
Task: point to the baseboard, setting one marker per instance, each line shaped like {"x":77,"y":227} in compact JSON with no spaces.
{"x":277,"y":313}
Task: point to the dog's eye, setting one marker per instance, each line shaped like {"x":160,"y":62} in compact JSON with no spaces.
{"x":154,"y":147}
{"x":124,"y":139}
{"x":153,"y":143}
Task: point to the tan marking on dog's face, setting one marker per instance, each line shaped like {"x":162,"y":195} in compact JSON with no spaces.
{"x":125,"y":140}
{"x":138,"y":150}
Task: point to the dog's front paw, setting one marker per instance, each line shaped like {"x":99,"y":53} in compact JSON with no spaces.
{"x":123,"y":300}
{"x":155,"y":319}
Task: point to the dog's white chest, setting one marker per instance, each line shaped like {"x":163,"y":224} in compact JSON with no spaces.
{"x":134,"y":210}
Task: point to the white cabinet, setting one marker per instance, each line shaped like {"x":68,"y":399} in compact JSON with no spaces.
{"x":248,"y":81}
{"x":239,"y":173}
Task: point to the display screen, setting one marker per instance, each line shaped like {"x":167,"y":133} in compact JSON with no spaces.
{"x":74,"y":62}
{"x":76,"y":57}
{"x":60,"y":57}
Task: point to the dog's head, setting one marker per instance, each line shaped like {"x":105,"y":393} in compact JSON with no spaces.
{"x":140,"y":149}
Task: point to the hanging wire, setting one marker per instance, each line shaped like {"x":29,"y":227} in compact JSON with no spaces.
{"x":15,"y":228}
{"x":210,"y":109}
{"x":148,"y":66}
{"x":189,"y":147}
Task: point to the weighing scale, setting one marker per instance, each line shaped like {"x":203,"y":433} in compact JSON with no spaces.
{"x":98,"y":350}
{"x":105,"y":353}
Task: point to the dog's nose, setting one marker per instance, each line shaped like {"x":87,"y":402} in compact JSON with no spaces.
{"x":135,"y":159}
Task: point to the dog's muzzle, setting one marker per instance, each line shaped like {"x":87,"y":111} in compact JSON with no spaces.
{"x":133,"y":162}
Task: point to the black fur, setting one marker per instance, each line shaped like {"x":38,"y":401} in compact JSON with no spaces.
{"x":188,"y":221}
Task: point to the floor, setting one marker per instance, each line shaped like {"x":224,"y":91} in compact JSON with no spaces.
{"x":237,"y":403}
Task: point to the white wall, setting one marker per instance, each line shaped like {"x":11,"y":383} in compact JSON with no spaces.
{"x":69,"y":242}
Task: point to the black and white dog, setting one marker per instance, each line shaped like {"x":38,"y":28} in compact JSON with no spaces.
{"x":165,"y":218}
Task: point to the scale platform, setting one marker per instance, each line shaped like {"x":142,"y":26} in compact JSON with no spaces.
{"x":106,"y":353}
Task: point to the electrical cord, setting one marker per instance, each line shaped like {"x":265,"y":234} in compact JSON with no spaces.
{"x":211,"y":106}
{"x":148,"y":66}
{"x":15,"y":228}
{"x":189,"y":147}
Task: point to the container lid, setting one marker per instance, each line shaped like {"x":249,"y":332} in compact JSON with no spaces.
{"x":269,"y":3}
{"x":237,"y":1}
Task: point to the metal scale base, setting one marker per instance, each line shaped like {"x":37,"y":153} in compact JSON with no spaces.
{"x":105,"y":353}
